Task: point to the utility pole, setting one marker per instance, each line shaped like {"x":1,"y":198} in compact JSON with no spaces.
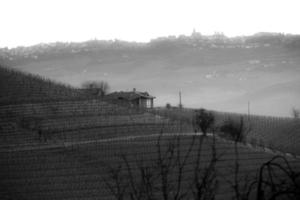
{"x":248,"y":107}
{"x":180,"y":105}
{"x":180,"y":110}
{"x":248,"y":111}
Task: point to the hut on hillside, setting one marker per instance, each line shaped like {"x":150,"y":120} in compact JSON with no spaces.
{"x":133,"y":98}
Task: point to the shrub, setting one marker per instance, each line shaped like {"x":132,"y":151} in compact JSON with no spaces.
{"x":295,"y":113}
{"x":234,"y":130}
{"x":203,"y":120}
{"x":96,"y":88}
{"x":168,"y":106}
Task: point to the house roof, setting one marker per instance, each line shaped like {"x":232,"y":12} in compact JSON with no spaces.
{"x":129,"y":95}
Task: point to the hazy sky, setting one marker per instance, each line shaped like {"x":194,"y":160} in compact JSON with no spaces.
{"x":28,"y":22}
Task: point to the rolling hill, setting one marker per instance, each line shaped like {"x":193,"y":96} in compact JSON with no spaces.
{"x":209,"y":70}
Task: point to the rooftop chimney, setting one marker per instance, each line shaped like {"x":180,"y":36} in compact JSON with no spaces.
{"x":134,"y":90}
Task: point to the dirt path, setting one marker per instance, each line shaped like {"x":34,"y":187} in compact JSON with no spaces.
{"x":39,"y":146}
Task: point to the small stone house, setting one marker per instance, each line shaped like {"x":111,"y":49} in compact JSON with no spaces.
{"x":133,"y":98}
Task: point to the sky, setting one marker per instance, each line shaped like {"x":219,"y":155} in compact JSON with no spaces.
{"x":25,"y":23}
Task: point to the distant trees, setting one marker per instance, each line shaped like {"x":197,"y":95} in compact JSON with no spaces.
{"x":96,"y":88}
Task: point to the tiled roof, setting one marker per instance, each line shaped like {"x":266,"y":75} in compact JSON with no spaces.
{"x":129,"y":95}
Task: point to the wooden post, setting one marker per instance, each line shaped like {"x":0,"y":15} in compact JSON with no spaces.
{"x":140,"y":103}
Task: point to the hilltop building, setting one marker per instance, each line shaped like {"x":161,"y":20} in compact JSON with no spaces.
{"x":134,"y":98}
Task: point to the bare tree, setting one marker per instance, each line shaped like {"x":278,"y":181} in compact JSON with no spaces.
{"x":237,"y":132}
{"x":205,"y":181}
{"x":277,"y":180}
{"x":274,"y":180}
{"x":116,"y":181}
{"x":96,"y":88}
{"x":163,"y":177}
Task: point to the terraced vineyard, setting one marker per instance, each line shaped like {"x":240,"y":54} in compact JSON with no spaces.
{"x":278,"y":133}
{"x":274,"y":132}
{"x":67,"y":121}
{"x":19,"y":87}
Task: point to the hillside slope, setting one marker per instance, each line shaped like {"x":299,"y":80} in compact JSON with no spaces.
{"x":35,"y":111}
{"x":20,"y":87}
{"x":63,"y":148}
{"x":207,"y":70}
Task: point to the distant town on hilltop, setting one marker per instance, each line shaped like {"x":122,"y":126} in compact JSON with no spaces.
{"x":11,"y":56}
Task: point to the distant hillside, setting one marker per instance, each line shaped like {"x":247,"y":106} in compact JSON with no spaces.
{"x":275,"y":100}
{"x":208,"y":70}
{"x":42,"y":52}
{"x":20,"y":87}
